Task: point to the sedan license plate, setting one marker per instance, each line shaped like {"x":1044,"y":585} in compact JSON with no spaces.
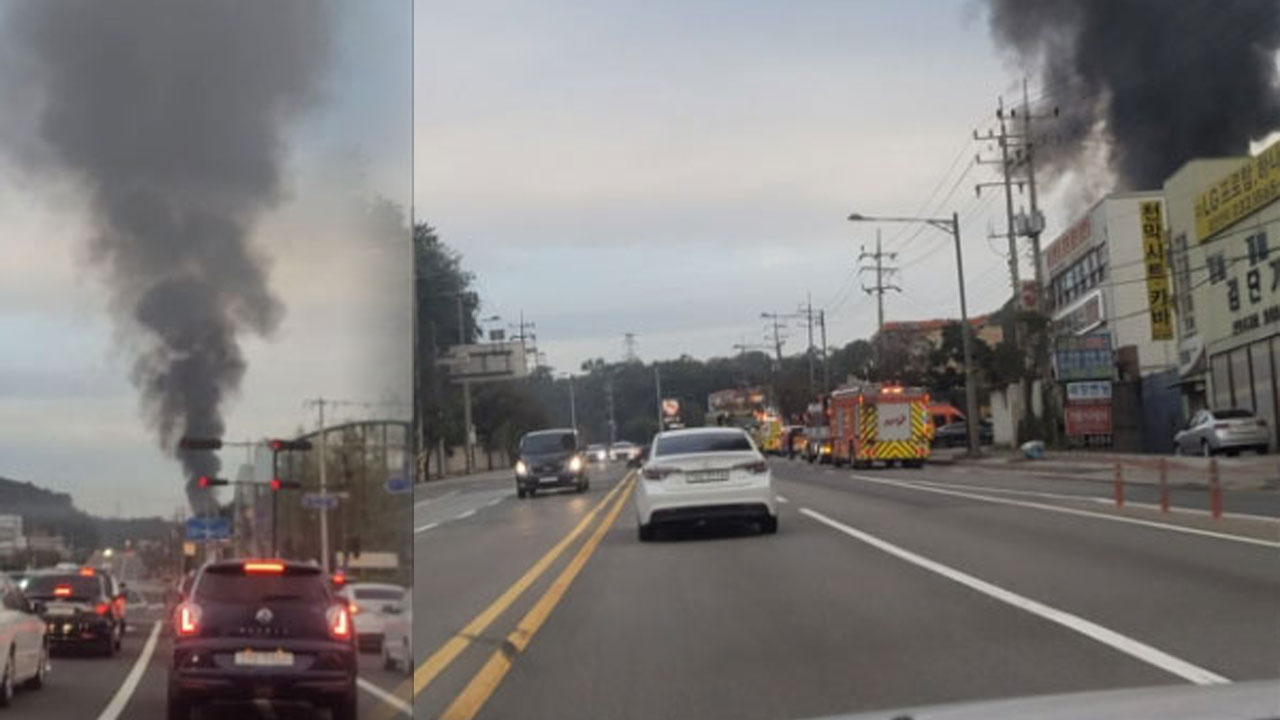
{"x":549,"y":480}
{"x":702,"y":476}
{"x":254,"y":658}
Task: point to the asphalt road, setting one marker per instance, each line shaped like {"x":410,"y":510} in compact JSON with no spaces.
{"x":132,"y":685}
{"x":882,"y":589}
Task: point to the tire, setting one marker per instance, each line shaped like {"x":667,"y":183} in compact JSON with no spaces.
{"x":1262,"y":449}
{"x":37,"y":681}
{"x":407,"y":667}
{"x":345,"y":707}
{"x":646,"y":532}
{"x":388,"y":662}
{"x":521,"y":493}
{"x":1206,"y":450}
{"x":6,"y":681}
{"x":769,"y":525}
{"x":178,"y":708}
{"x":107,"y":647}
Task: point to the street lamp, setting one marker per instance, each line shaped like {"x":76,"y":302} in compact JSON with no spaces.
{"x":950,"y":225}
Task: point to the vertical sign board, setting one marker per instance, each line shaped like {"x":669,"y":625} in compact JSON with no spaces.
{"x":1153,"y":256}
{"x":1088,"y":410}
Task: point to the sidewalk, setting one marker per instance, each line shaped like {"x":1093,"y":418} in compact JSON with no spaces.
{"x":1244,"y":472}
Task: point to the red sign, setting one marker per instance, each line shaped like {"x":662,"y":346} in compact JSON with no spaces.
{"x":1088,"y":420}
{"x":1065,"y":246}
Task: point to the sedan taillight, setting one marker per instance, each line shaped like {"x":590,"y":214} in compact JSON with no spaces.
{"x":657,"y":473}
{"x":756,"y":467}
{"x":339,"y":620}
{"x":187,"y":620}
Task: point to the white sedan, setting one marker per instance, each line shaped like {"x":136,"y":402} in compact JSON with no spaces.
{"x":701,"y":474}
{"x":397,"y":636}
{"x":371,"y":605}
{"x":623,"y":451}
{"x":24,"y":653}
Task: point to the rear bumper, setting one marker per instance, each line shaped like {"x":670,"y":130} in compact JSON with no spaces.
{"x":656,"y":504}
{"x":71,"y":632}
{"x":1225,"y":441}
{"x":203,"y":671}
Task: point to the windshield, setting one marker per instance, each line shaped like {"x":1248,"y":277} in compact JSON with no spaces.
{"x":547,"y":443}
{"x":702,"y":442}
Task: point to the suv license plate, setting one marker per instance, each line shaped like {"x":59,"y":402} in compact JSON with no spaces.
{"x":253,"y":658}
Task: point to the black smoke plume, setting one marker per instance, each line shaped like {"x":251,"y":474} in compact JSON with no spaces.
{"x":1157,"y":82}
{"x":170,"y":114}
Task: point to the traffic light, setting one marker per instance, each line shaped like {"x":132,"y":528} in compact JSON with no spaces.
{"x":207,"y":482}
{"x":279,"y":445}
{"x":199,"y":443}
{"x":277,"y":484}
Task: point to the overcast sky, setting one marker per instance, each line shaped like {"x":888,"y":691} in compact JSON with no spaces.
{"x":69,"y":418}
{"x":675,"y":168}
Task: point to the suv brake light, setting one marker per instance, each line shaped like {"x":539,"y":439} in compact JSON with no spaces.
{"x":339,"y":622}
{"x":272,"y":568}
{"x":62,"y":591}
{"x":102,"y":608}
{"x":188,"y":620}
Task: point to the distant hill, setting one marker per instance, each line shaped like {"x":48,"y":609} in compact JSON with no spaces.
{"x":53,"y":512}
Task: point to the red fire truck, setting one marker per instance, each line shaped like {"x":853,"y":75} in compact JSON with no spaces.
{"x":877,"y":422}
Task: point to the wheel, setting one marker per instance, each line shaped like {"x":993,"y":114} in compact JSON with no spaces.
{"x":1205,"y":449}
{"x":1177,"y":449}
{"x":344,"y":708}
{"x":530,"y":492}
{"x":388,"y":662}
{"x":37,"y":681}
{"x":178,"y":708}
{"x":6,"y":681}
{"x":406,"y":658}
{"x":107,"y":646}
{"x":769,"y":525}
{"x":520,"y":493}
{"x":646,"y":532}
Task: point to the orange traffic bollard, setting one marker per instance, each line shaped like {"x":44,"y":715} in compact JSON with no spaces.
{"x":1119,"y":486}
{"x":1215,"y":490}
{"x":1164,"y":486}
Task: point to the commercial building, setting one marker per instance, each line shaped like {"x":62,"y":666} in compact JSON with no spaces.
{"x":1115,"y":353}
{"x":1224,"y":230}
{"x":12,"y":540}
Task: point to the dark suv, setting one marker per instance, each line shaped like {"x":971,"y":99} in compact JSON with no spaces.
{"x":254,"y":630}
{"x":550,"y":458}
{"x":80,"y":608}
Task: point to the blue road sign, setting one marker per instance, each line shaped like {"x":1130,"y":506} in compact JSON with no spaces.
{"x":208,"y":528}
{"x":398,"y":483}
{"x":316,"y":501}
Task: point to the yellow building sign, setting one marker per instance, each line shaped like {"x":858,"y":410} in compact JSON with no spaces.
{"x":1153,"y":255}
{"x":1239,"y":193}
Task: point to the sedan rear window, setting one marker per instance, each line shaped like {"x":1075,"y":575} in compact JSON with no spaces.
{"x":1231,"y":414}
{"x":703,"y":442}
{"x":45,"y":586}
{"x":378,"y":594}
{"x":231,"y":585}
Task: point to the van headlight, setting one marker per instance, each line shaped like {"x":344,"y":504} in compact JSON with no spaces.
{"x":521,"y":468}
{"x":575,"y":464}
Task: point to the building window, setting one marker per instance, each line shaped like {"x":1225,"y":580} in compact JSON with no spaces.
{"x":1217,"y":267}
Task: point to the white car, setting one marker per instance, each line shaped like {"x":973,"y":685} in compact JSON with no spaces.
{"x":623,"y":451}
{"x":397,"y":636}
{"x":701,"y":474}
{"x":371,"y":605}
{"x":24,"y":653}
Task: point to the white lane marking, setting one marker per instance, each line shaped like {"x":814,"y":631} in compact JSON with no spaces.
{"x":424,"y":528}
{"x":496,"y":500}
{"x":130,"y":684}
{"x":385,"y":696}
{"x":1073,"y":511}
{"x":438,"y":498}
{"x":1191,"y":511}
{"x":465,"y":514}
{"x":782,"y":499}
{"x":1106,"y":636}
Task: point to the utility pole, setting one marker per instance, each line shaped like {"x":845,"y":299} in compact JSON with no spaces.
{"x":573,"y":405}
{"x":777,"y":334}
{"x":319,"y":404}
{"x":1006,"y":168}
{"x":608,"y":403}
{"x":826,"y":370}
{"x":657,"y":385}
{"x":878,"y":290}
{"x":629,"y":348}
{"x":1036,"y":222}
{"x":966,"y":332}
{"x":808,"y":317}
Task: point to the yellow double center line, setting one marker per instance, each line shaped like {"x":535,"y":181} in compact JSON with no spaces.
{"x":478,"y":690}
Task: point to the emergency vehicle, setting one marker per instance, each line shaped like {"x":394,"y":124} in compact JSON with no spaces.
{"x":769,"y":434}
{"x":817,"y":431}
{"x":879,"y":422}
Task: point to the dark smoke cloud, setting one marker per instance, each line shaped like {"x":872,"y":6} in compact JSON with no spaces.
{"x":1159,"y":82}
{"x":171,"y":115}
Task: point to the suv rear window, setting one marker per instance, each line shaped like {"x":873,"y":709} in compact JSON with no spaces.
{"x":231,"y":585}
{"x":42,"y":586}
{"x":548,"y":443}
{"x":703,"y":442}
